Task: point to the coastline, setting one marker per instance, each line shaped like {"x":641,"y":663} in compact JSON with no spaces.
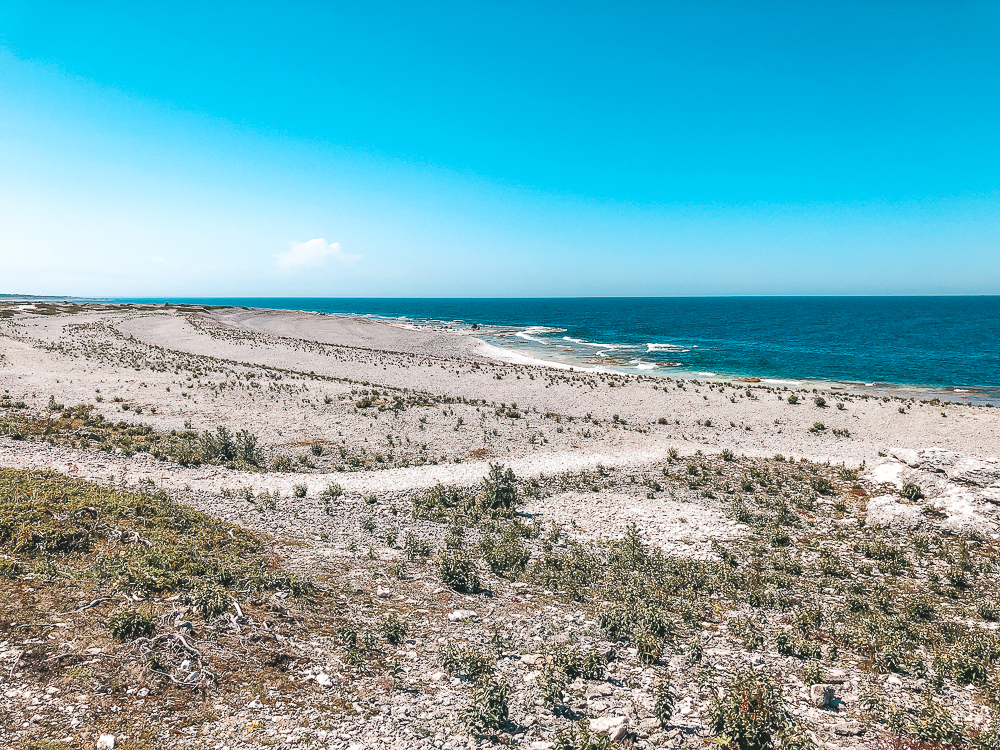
{"x":527,"y":343}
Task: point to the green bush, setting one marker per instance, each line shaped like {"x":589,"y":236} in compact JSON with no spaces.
{"x":664,"y":699}
{"x":551,"y":684}
{"x":505,"y":555}
{"x":439,"y":502}
{"x":988,"y":610}
{"x":579,"y":737}
{"x":210,"y":601}
{"x":911,"y":492}
{"x":749,"y":713}
{"x":127,"y":623}
{"x":466,"y":661}
{"x":458,"y":571}
{"x":573,"y":571}
{"x":10,"y":569}
{"x":574,"y":663}
{"x":488,"y":710}
{"x":793,"y":399}
{"x":499,"y":491}
{"x":300,"y":490}
{"x":415,"y":547}
{"x":393,"y":629}
{"x":972,"y":658}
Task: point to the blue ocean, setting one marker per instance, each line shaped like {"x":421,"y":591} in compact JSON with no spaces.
{"x":943,"y":343}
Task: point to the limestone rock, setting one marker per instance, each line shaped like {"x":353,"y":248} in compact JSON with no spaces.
{"x":888,"y":512}
{"x":460,"y":615}
{"x":847,"y":728}
{"x":598,"y":691}
{"x":106,"y":742}
{"x":822,"y":695}
{"x":612,"y":727}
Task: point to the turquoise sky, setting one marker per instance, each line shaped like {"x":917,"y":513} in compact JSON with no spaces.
{"x":499,"y":149}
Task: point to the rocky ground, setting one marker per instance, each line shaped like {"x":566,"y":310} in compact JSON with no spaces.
{"x":649,"y":559}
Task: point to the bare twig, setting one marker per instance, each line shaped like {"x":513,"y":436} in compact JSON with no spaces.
{"x":95,"y":603}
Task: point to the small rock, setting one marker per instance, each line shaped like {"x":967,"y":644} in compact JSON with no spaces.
{"x":835,"y":676}
{"x":822,"y":695}
{"x":460,"y":615}
{"x":255,"y":703}
{"x":649,"y":724}
{"x":847,"y":728}
{"x":438,"y":676}
{"x":186,"y":665}
{"x":598,"y":691}
{"x":324,"y":680}
{"x":105,"y":742}
{"x":382,"y":593}
{"x":541,"y":745}
{"x":612,"y":727}
{"x":532,"y":659}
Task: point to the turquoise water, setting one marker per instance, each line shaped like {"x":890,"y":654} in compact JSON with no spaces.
{"x":922,"y":342}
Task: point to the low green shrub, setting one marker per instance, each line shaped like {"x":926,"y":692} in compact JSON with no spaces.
{"x":505,"y":554}
{"x":488,"y":710}
{"x":664,"y":699}
{"x":749,"y":713}
{"x":393,"y":629}
{"x":127,"y":623}
{"x":457,"y":571}
{"x":465,"y":661}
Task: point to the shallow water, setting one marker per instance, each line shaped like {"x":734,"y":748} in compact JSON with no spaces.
{"x":929,"y":342}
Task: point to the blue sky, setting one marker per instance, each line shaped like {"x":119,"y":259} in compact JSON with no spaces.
{"x":499,"y":149}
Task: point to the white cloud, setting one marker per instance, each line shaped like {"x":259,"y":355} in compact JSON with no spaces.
{"x":312,"y":254}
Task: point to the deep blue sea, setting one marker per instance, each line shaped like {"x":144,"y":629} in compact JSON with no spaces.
{"x":922,"y":342}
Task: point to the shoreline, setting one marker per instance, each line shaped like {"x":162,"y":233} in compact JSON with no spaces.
{"x":498,"y":348}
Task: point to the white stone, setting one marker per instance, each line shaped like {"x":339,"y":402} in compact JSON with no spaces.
{"x":460,"y":615}
{"x":324,"y":680}
{"x":382,"y":593}
{"x":613,"y":727}
{"x":105,"y":742}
